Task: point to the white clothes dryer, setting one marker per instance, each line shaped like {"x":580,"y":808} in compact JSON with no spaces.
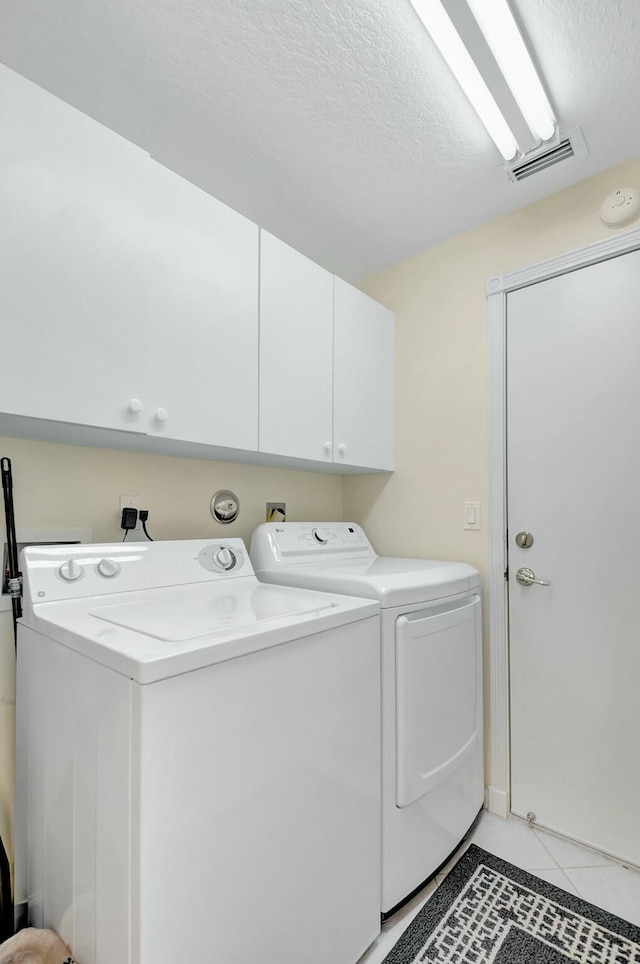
{"x":198,"y":771}
{"x":431,"y":660}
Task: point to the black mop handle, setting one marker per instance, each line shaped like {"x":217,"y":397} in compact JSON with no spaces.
{"x":12,"y":545}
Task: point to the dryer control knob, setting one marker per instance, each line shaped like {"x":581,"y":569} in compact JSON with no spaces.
{"x":109,"y":568}
{"x":70,"y":570}
{"x":320,"y":536}
{"x":225,"y":559}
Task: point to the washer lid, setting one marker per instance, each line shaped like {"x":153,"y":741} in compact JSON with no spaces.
{"x":392,"y":581}
{"x":153,"y":634}
{"x":174,"y":618}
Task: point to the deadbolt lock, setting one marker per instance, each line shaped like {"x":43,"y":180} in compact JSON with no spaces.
{"x":524,"y":540}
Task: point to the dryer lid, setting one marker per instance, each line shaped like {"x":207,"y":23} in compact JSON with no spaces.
{"x":338,"y":557}
{"x":391,"y":581}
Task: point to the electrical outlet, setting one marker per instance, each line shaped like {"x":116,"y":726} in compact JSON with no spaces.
{"x":131,"y":502}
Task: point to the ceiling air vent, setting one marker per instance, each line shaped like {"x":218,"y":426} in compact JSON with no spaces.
{"x":533,"y":162}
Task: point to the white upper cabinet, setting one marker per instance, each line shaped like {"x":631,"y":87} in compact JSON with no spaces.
{"x":296,"y":353}
{"x":130,"y":300}
{"x":130,"y":296}
{"x":327,"y":363}
{"x":363,"y":380}
{"x":71,"y":241}
{"x":201,"y":273}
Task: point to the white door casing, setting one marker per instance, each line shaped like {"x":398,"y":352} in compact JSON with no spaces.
{"x":497,"y":290}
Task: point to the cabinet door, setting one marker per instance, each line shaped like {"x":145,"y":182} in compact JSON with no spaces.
{"x":202,"y":277}
{"x":296,"y":348}
{"x":72,"y":308}
{"x":364,"y":380}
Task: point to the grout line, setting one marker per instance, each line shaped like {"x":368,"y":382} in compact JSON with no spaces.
{"x":574,"y":885}
{"x":570,"y":884}
{"x":540,"y":837}
{"x":608,"y":861}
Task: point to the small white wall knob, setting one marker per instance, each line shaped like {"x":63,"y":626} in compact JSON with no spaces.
{"x":108,"y":568}
{"x":327,"y":447}
{"x":135,"y":405}
{"x":162,"y":414}
{"x":342,"y":448}
{"x":70,"y":570}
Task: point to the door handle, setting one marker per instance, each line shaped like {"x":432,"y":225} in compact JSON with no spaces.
{"x":527,"y":577}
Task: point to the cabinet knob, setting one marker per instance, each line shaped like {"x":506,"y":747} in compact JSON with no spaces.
{"x":327,"y":447}
{"x":342,"y":448}
{"x":162,"y":414}
{"x":135,"y":405}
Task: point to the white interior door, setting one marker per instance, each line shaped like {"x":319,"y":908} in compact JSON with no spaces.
{"x":573,"y":397}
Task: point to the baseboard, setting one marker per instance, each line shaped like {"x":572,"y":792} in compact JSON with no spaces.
{"x":497,"y":801}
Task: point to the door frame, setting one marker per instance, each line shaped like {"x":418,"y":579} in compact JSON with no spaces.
{"x":499,"y":789}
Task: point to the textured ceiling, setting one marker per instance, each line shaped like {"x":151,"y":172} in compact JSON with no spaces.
{"x":333,"y":123}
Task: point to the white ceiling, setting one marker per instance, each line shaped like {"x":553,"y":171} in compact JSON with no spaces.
{"x":333,"y":123}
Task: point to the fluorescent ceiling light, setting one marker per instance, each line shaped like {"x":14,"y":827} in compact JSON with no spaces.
{"x":501,"y":32}
{"x":447,"y":39}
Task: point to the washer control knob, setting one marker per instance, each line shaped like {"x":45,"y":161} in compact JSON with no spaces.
{"x":109,"y":568}
{"x":320,"y":536}
{"x":225,"y":558}
{"x":70,"y":570}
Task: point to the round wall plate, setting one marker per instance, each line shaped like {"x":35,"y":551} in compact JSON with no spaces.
{"x":225,"y":507}
{"x":621,"y":207}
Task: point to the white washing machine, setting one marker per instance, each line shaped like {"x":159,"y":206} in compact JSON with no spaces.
{"x":198,"y":762}
{"x":432,"y":724}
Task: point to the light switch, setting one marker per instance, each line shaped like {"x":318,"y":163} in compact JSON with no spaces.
{"x":472,"y":515}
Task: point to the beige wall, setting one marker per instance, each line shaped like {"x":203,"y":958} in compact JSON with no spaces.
{"x":441,"y":415}
{"x":65,"y":485}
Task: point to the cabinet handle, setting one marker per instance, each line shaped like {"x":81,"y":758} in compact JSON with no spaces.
{"x":342,"y":448}
{"x":162,"y":414}
{"x":135,"y":405}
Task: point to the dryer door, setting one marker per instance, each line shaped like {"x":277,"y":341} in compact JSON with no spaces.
{"x":438,"y":653}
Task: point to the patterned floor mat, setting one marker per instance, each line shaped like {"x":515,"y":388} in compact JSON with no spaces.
{"x":489,"y":912}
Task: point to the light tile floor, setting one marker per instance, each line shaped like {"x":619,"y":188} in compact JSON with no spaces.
{"x":569,"y":866}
